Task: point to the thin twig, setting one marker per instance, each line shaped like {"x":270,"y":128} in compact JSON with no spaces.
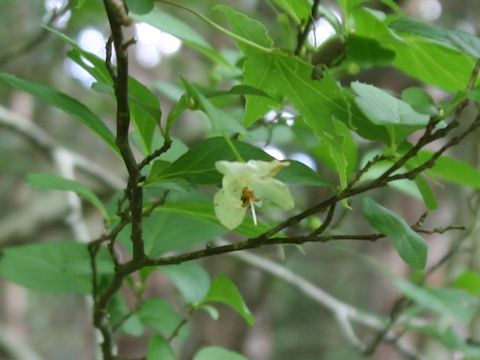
{"x":182,"y":323}
{"x":403,"y":302}
{"x":365,"y":168}
{"x":397,"y":308}
{"x":36,"y":40}
{"x":344,"y":313}
{"x":118,"y":18}
{"x":156,"y":204}
{"x":302,"y":36}
{"x":326,"y":222}
{"x":166,"y":145}
{"x":252,"y":244}
{"x":127,"y":316}
{"x":441,"y":230}
{"x":108,"y":59}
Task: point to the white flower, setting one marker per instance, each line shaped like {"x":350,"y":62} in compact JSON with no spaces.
{"x":247,"y":183}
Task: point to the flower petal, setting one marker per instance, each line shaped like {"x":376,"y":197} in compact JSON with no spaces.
{"x":274,"y":191}
{"x":252,"y":168}
{"x":235,"y":168}
{"x":227,"y":212}
{"x":233,"y":188}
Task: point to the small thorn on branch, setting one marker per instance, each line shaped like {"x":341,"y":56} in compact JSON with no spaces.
{"x":108,"y":58}
{"x":127,"y":43}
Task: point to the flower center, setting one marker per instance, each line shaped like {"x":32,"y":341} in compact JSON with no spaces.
{"x":247,"y":195}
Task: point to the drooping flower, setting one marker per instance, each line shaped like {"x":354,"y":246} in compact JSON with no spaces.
{"x":247,"y":184}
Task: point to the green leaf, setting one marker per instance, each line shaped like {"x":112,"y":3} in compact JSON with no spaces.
{"x":367,"y":52}
{"x":173,"y":115}
{"x":468,"y":280}
{"x":238,"y":90}
{"x":217,"y":353}
{"x":144,"y":106}
{"x":190,"y":279}
{"x":211,"y":311}
{"x":53,"y":182}
{"x":168,"y":89}
{"x":144,"y":110}
{"x":66,"y":103}
{"x":410,"y":246}
{"x":455,"y":39}
{"x":319,"y":102}
{"x":221,"y":121}
{"x":420,"y":100}
{"x":183,"y":31}
{"x":259,"y":67}
{"x":309,"y":141}
{"x":140,"y":6}
{"x":348,"y":5}
{"x":455,"y":171}
{"x":79,"y":4}
{"x":454,"y":303}
{"x":451,"y":340}
{"x":166,"y":231}
{"x":159,"y":348}
{"x":117,"y":309}
{"x":247,"y":28}
{"x":223,"y":290}
{"x":256,"y":71}
{"x":160,"y":315}
{"x":203,"y":212}
{"x":53,"y":266}
{"x":433,"y":64}
{"x":198,"y":164}
{"x":299,"y":10}
{"x":393,"y":5}
{"x":428,"y":195}
{"x":404,"y":185}
{"x":420,"y":57}
{"x":384,"y":109}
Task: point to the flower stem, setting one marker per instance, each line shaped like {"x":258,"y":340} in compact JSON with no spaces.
{"x":233,"y":148}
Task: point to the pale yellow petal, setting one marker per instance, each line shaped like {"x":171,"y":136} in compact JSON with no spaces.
{"x":227,"y":213}
{"x":274,"y":191}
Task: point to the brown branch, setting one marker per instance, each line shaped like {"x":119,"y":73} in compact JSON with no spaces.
{"x":181,"y":324}
{"x":327,"y":221}
{"x":471,"y":84}
{"x":421,"y":220}
{"x":474,"y":76}
{"x":93,"y":251}
{"x":253,"y":243}
{"x":403,"y":302}
{"x":127,"y":316}
{"x":156,"y":204}
{"x":134,"y":191}
{"x":117,"y":17}
{"x":441,"y":230}
{"x":166,"y":145}
{"x":397,"y":308}
{"x":367,"y":167}
{"x":430,"y":163}
{"x":108,"y":59}
{"x":302,"y":35}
